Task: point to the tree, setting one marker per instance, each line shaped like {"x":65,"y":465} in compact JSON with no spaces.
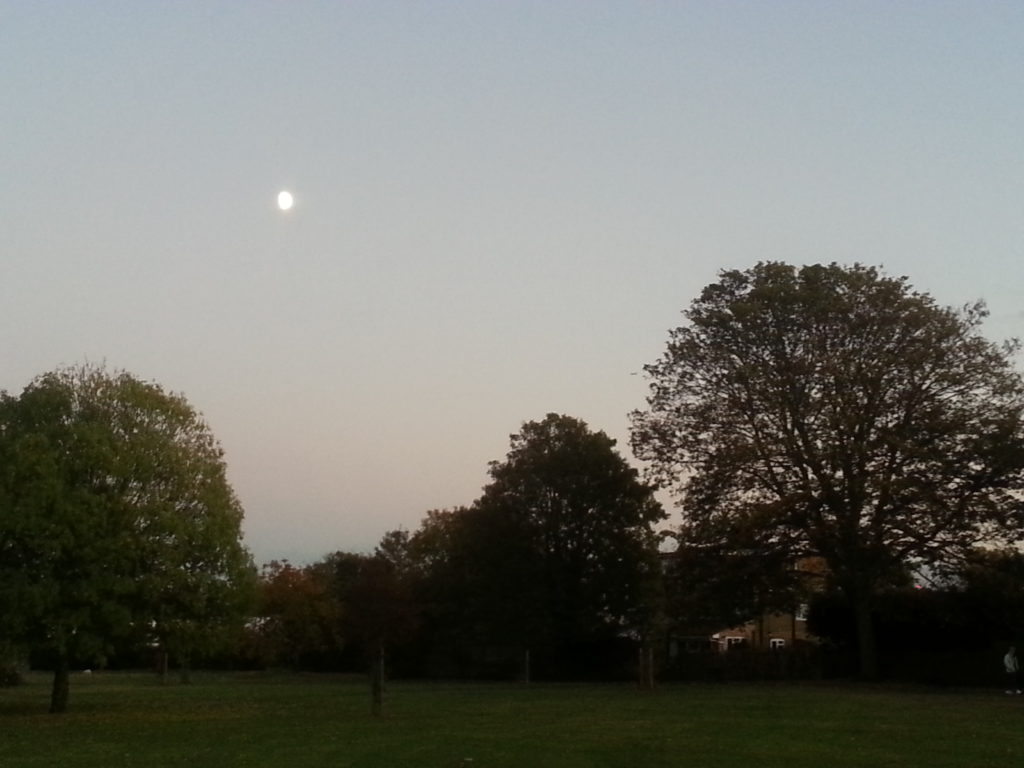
{"x":299,"y":620}
{"x":989,"y":582}
{"x":476,"y":578}
{"x":572,"y":524}
{"x":116,"y":518}
{"x":203,"y":597}
{"x":713,"y":584}
{"x":832,"y":411}
{"x":375,"y":601}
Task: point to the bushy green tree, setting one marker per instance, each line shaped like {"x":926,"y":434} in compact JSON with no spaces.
{"x":117,"y":522}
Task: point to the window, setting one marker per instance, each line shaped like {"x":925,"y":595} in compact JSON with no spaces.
{"x":777,"y":643}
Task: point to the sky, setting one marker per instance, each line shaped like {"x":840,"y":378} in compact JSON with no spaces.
{"x":501,"y":208}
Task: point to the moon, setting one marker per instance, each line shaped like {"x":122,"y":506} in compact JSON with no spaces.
{"x":285,"y":200}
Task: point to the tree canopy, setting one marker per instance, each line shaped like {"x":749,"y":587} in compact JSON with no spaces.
{"x":833,"y":411}
{"x":117,"y":522}
{"x":576,"y":522}
{"x":298,"y":617}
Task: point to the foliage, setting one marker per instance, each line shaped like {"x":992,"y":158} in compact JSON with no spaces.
{"x":950,"y":629}
{"x":374,"y":598}
{"x":582,"y":519}
{"x":714,"y":586}
{"x":990,"y":582}
{"x":469,"y":575}
{"x":341,"y":613}
{"x":834,"y":412}
{"x":558,"y":554}
{"x":117,"y":523}
{"x":11,"y":666}
{"x":558,"y":550}
{"x":298,"y":622}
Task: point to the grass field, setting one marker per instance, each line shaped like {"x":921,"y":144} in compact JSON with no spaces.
{"x":296,"y":721}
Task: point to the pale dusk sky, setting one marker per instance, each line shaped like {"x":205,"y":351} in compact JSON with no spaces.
{"x":500,"y":209}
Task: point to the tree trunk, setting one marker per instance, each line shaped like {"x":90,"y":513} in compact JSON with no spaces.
{"x":868,"y":660}
{"x":791,"y":652}
{"x":162,"y":663}
{"x":646,"y":665}
{"x":526,"y":666}
{"x":61,"y":685}
{"x":185,"y":670}
{"x":11,"y":670}
{"x":377,"y":682}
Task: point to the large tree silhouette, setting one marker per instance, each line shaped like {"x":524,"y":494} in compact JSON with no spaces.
{"x":834,"y":411}
{"x":578,"y":554}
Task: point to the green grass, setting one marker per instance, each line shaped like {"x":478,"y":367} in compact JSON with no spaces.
{"x":323,"y":721}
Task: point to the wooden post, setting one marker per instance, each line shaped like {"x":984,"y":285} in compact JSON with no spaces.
{"x":645,"y":665}
{"x":162,"y":663}
{"x":650,"y":666}
{"x":377,"y":682}
{"x":61,"y":684}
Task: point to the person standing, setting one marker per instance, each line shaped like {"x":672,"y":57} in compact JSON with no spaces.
{"x":1012,"y":667}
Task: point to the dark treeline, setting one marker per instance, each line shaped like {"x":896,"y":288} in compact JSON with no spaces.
{"x":436,"y":601}
{"x":952,"y":632}
{"x":552,"y":572}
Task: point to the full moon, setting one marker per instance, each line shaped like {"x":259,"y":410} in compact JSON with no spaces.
{"x":285,"y":200}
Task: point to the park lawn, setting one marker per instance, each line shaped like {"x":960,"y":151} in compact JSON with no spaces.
{"x":292,"y":721}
